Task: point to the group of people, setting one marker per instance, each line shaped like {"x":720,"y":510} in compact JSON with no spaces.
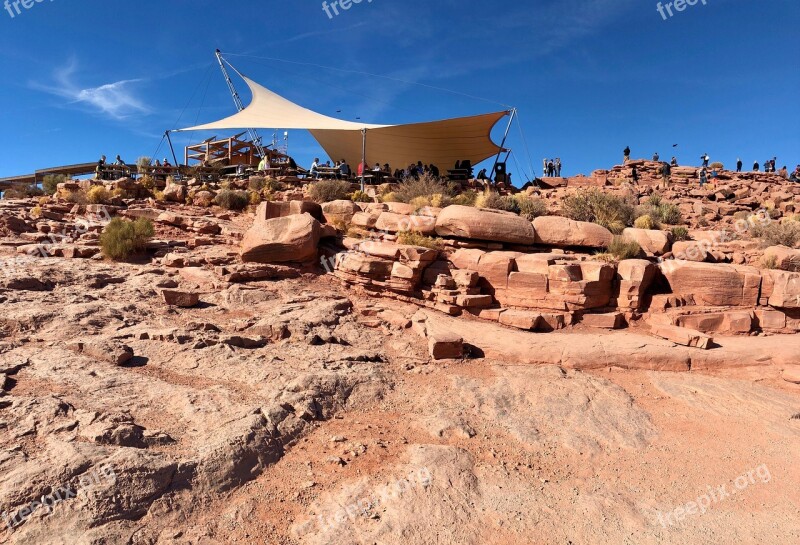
{"x":551,"y":168}
{"x":769,"y":165}
{"x":341,"y":170}
{"x":102,"y":170}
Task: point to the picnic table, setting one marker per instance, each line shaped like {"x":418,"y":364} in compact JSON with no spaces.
{"x":328,"y":172}
{"x":459,"y":174}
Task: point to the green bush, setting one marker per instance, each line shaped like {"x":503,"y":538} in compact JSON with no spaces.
{"x":622,"y":248}
{"x":260,"y":183}
{"x":644,"y":222}
{"x":610,"y":211}
{"x":680,"y":233}
{"x":426,"y":186}
{"x":330,"y":190}
{"x":467,"y":198}
{"x":232,"y":200}
{"x":122,"y":238}
{"x":412,"y":238}
{"x":660,"y":211}
{"x":531,"y":208}
{"x":99,"y":195}
{"x":360,"y":196}
{"x":51,"y":181}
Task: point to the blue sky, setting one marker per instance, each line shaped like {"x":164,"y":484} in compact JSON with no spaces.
{"x":90,"y":77}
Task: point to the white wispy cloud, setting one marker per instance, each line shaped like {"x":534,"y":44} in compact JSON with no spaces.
{"x":117,"y":99}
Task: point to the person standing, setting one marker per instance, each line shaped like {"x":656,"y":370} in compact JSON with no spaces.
{"x":703,"y":177}
{"x":544,"y":167}
{"x":100,"y":169}
{"x":635,"y":175}
{"x":558,"y":167}
{"x":656,"y":157}
{"x":705,"y":159}
{"x":755,"y":167}
{"x":738,"y":165}
{"x":666,"y":171}
{"x":627,"y":152}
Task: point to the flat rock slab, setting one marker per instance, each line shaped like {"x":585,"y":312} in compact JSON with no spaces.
{"x":792,"y":374}
{"x":622,"y":349}
{"x":682,"y":336}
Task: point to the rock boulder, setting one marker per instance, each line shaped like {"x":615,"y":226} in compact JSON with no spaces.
{"x":281,"y":240}
{"x":483,"y":224}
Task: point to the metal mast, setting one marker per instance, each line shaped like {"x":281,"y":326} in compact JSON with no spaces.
{"x":256,"y":139}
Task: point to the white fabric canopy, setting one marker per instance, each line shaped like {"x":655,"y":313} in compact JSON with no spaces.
{"x":441,"y":143}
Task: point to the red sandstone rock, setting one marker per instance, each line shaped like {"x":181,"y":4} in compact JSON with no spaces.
{"x":714,"y":284}
{"x":559,"y":231}
{"x":289,"y":239}
{"x":482,"y":224}
{"x":682,"y":336}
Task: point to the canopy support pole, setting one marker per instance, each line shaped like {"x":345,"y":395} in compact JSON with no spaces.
{"x":237,"y":100}
{"x":363,"y":157}
{"x":172,"y":149}
{"x":503,"y":144}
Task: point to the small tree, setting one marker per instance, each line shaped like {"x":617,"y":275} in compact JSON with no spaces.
{"x":51,"y":181}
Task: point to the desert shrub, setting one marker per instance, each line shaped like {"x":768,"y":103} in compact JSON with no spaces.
{"x":412,"y":238}
{"x":670,"y":214}
{"x":420,"y":202}
{"x":741,"y":215}
{"x":257,"y":183}
{"x":122,"y":238}
{"x":622,"y":248}
{"x":389,"y":197}
{"x":254,"y":198}
{"x":770,"y":262}
{"x":158,"y":195}
{"x":144,"y":162}
{"x":777,"y":234}
{"x":232,"y":200}
{"x":23,"y":192}
{"x":36,"y":211}
{"x":467,"y":198}
{"x":355,"y":232}
{"x":51,"y":181}
{"x":660,"y":211}
{"x":329,"y":190}
{"x":360,"y":196}
{"x":610,"y":211}
{"x":717,"y":165}
{"x":425,"y":186}
{"x":680,"y":233}
{"x":644,"y":222}
{"x":147,"y":182}
{"x":494,"y":201}
{"x":73,"y":197}
{"x":98,"y":194}
{"x":531,"y":208}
